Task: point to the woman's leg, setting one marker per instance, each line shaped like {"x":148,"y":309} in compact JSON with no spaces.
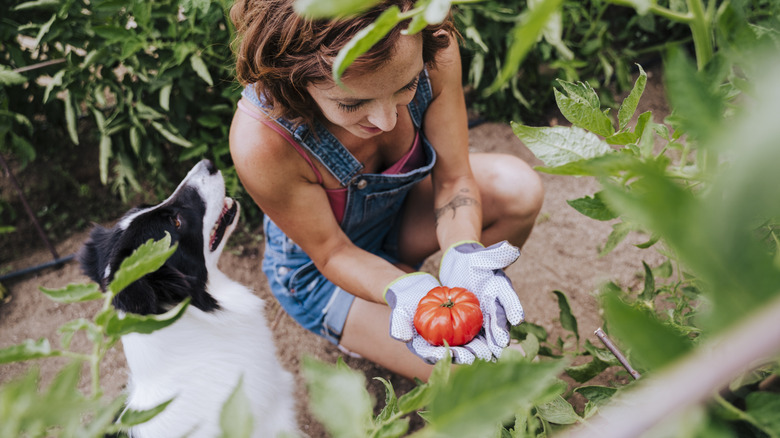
{"x":512,"y":196}
{"x":367,"y":333}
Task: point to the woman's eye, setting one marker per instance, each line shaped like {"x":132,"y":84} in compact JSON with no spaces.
{"x":349,"y":107}
{"x":411,"y":86}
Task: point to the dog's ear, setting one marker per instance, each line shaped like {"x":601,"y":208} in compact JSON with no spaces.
{"x":162,"y":289}
{"x":139,"y":297}
{"x":173,"y":286}
{"x":94,"y":256}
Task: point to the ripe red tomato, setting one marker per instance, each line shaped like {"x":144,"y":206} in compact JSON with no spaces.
{"x":448,"y":314}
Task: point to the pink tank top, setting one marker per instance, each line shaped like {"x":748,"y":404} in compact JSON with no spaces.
{"x":411,"y":160}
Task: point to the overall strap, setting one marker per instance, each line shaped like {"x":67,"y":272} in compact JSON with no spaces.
{"x":422,"y":98}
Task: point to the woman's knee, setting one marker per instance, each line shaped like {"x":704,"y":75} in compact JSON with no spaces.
{"x":511,"y":187}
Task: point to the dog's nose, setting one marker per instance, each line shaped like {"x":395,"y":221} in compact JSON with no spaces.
{"x":210,"y":167}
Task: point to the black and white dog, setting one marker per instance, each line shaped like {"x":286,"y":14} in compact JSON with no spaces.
{"x":223,"y":336}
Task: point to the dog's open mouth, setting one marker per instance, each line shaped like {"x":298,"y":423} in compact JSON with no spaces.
{"x":229,"y":209}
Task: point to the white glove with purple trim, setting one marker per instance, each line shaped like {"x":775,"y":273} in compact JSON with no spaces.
{"x":404,"y":295}
{"x":481,"y":270}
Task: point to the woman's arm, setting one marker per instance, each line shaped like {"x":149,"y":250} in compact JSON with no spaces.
{"x":285,"y":188}
{"x":456,"y":195}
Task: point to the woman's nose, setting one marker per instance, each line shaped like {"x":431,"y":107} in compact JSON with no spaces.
{"x":384,"y":117}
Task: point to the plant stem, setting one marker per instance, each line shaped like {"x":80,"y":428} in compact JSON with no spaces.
{"x":660,"y":11}
{"x":702,"y":35}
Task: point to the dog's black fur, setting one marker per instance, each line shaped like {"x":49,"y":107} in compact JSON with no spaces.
{"x":183,"y":275}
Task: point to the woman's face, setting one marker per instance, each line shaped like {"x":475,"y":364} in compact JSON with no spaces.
{"x":369,"y":104}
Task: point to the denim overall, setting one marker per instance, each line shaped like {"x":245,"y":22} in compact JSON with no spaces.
{"x":371,"y":220}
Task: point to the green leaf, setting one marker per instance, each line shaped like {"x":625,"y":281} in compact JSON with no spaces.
{"x":135,"y":140}
{"x":394,"y":429}
{"x":648,"y":293}
{"x":628,"y":107}
{"x":560,"y":145}
{"x":553,"y":32}
{"x":338,"y":398}
{"x":619,"y":233}
{"x":593,"y":207}
{"x":121,"y":324}
{"x":601,"y":354}
{"x":165,"y":96}
{"x":528,"y":328}
{"x":74,"y":293}
{"x":581,"y":113}
{"x":417,"y":24}
{"x":568,"y":321}
{"x":391,"y":401}
{"x":105,"y":155}
{"x":10,"y":77}
{"x":697,"y":106}
{"x":201,"y":69}
{"x":113,"y":34}
{"x":581,"y":92}
{"x":641,"y":123}
{"x":416,"y":399}
{"x":236,"y":420}
{"x":586,"y":371}
{"x":331,"y":9}
{"x":642,"y":6}
{"x":210,"y":121}
{"x":170,"y":136}
{"x":622,"y":138}
{"x":599,"y":395}
{"x":436,"y":11}
{"x":558,"y":411}
{"x":653,"y":343}
{"x":530,"y":346}
{"x":67,"y":330}
{"x":27,"y":350}
{"x":37,"y":4}
{"x":364,"y":40}
{"x":483,"y":394}
{"x":70,"y":118}
{"x":524,"y":36}
{"x":43,"y":31}
{"x":147,"y":258}
{"x":440,"y":375}
{"x":103,"y":419}
{"x":763,"y":407}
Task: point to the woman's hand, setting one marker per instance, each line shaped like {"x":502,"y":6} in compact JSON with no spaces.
{"x":403,"y":296}
{"x":480,"y":270}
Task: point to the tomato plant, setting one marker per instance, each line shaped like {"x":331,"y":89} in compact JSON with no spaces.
{"x":450,"y":315}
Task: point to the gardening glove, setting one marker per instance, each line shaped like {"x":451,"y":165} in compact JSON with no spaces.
{"x":472,"y":266}
{"x":404,"y":295}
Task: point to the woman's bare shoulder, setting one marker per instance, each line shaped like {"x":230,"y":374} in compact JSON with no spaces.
{"x":264,"y":160}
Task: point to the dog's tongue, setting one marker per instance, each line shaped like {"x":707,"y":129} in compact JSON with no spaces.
{"x":229,"y":210}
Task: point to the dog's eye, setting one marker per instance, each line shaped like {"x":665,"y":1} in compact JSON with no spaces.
{"x":176,"y":221}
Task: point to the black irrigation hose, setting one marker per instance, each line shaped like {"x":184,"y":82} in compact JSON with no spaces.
{"x":31,"y":269}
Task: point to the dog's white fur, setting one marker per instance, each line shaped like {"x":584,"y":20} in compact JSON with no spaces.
{"x":200,"y":359}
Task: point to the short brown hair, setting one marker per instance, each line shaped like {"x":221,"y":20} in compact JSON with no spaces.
{"x":282,"y":53}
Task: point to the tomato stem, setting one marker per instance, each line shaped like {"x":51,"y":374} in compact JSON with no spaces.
{"x":449,"y":303}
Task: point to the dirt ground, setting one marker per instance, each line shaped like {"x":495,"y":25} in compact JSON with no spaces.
{"x":561,"y":254}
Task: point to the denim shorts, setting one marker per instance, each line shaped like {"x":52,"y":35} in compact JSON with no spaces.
{"x":305,"y":294}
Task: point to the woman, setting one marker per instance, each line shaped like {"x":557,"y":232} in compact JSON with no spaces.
{"x":359,"y":184}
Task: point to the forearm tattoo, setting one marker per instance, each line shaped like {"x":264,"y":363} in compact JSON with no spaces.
{"x":462,"y":199}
